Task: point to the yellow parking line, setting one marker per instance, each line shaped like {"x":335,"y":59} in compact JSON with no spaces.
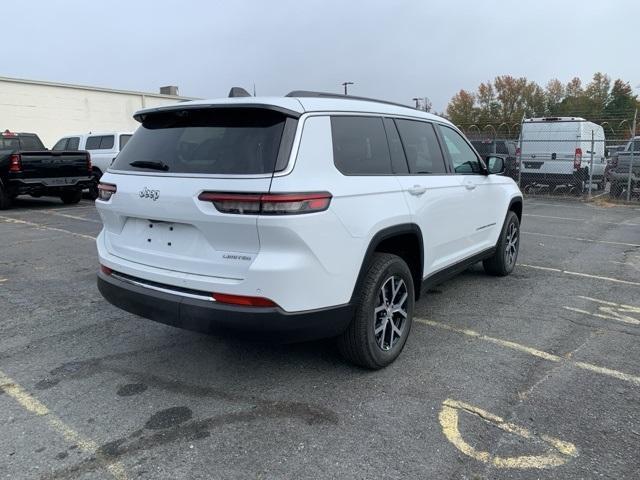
{"x":534,"y":352}
{"x":31,"y":404}
{"x":560,"y":451}
{"x":578,"y":274}
{"x":45,"y":227}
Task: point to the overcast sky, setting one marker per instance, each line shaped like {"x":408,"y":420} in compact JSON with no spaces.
{"x":390,"y":49}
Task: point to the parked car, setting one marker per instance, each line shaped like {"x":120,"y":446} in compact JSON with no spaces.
{"x":612,"y":159}
{"x":28,"y":168}
{"x":104,"y":147}
{"x":308,"y":216}
{"x":504,"y":148}
{"x":619,"y":173}
{"x":557,"y":151}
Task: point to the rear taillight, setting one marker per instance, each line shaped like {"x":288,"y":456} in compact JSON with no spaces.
{"x":15,"y":163}
{"x":518,"y":151}
{"x":577,"y":159}
{"x":243,"y":300}
{"x":105,"y":191}
{"x":89,"y":165}
{"x":105,"y":270}
{"x":268,"y":203}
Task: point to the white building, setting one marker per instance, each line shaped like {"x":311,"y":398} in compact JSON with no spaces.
{"x":53,"y":110}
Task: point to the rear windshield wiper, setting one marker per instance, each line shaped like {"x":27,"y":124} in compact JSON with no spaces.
{"x":152,"y":165}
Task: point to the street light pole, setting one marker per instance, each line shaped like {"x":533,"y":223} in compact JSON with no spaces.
{"x":417,"y":100}
{"x":345,"y":84}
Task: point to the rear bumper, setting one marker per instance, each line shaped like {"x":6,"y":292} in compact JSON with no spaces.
{"x":28,"y":185}
{"x":556,"y":178}
{"x":268,"y":324}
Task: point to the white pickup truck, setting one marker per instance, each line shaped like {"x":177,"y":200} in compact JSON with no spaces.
{"x":103,"y":148}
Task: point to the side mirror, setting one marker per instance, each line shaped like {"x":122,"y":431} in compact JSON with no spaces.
{"x":495,"y":164}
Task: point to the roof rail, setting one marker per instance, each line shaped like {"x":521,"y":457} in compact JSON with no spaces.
{"x":312,"y":94}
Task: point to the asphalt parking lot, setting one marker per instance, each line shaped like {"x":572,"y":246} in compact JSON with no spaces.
{"x":536,"y":375}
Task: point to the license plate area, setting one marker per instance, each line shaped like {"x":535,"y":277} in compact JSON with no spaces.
{"x":533,"y":165}
{"x":55,"y":182}
{"x":167,"y":237}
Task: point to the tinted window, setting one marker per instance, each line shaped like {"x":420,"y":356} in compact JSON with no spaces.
{"x":463,"y":157}
{"x":211,"y":141}
{"x":9,"y":143}
{"x":398,"y":160}
{"x":123,"y":140}
{"x":93,"y":143}
{"x":421,"y":147}
{"x":31,"y":142}
{"x":501,"y":147}
{"x":360,"y":146}
{"x":74,"y":143}
{"x":482,"y":147}
{"x":106,"y":142}
{"x":60,"y":145}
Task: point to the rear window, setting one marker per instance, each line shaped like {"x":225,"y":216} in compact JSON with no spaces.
{"x":60,"y":145}
{"x":9,"y":143}
{"x":123,"y":140}
{"x":31,"y":142}
{"x":227,"y":141}
{"x":360,"y":146}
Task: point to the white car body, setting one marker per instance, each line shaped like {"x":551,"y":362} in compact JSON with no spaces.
{"x":549,"y":148}
{"x":158,"y":235}
{"x":103,"y":147}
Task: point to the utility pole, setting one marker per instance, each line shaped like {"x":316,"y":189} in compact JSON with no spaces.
{"x":345,"y":85}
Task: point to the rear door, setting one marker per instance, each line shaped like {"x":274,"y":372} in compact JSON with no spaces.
{"x":435,"y":197}
{"x":155,"y":218}
{"x":549,"y":147}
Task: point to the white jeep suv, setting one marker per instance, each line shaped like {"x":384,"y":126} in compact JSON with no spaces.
{"x":299,"y":217}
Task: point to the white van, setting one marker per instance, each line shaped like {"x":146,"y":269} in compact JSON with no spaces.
{"x":103,"y":147}
{"x":557,"y":151}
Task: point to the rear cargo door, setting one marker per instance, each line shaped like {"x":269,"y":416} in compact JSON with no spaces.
{"x":156,"y":217}
{"x":548,"y":147}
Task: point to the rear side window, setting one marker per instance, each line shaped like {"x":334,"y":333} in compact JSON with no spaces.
{"x":123,"y":140}
{"x":421,"y":147}
{"x":106,"y":142}
{"x":93,"y":143}
{"x":360,"y":146}
{"x":100,"y":142}
{"x":226,"y":141}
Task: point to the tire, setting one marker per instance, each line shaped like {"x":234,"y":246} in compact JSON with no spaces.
{"x":504,"y":259}
{"x":360,"y":344}
{"x":93,"y":190}
{"x":71,"y":196}
{"x":615,"y":190}
{"x":5,"y":199}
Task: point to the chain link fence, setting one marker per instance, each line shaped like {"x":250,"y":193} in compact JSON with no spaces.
{"x":567,"y":156}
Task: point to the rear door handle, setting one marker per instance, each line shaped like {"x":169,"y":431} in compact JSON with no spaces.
{"x":417,"y":190}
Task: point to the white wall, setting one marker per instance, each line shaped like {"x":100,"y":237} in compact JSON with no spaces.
{"x":55,"y":110}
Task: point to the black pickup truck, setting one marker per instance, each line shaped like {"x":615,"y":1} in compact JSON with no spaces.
{"x":28,"y":168}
